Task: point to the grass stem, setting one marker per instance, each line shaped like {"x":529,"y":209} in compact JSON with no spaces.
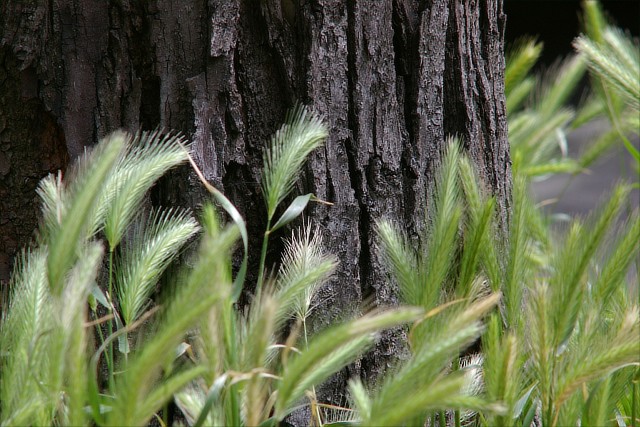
{"x":634,"y":403}
{"x":110,"y":322}
{"x":263,"y":258}
{"x":456,"y":413}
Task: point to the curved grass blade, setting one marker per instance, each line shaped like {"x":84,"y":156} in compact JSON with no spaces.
{"x":149,"y":157}
{"x":607,"y":63}
{"x":360,"y":398}
{"x":169,"y":387}
{"x":518,"y":407}
{"x":519,"y":62}
{"x":293,"y":211}
{"x":213,"y":395}
{"x":289,"y":148}
{"x":226,"y":204}
{"x":331,"y":350}
{"x":64,"y":241}
{"x":573,"y":263}
{"x":155,"y":243}
{"x":402,"y":260}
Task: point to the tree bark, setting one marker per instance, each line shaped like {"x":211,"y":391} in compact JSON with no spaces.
{"x":392,"y":79}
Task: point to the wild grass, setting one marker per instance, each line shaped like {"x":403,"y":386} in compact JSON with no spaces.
{"x":222,"y":364}
{"x":556,"y":335}
{"x":505,"y":327}
{"x":540,"y":109}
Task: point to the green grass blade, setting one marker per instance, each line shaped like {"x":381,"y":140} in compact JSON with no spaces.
{"x":164,"y":391}
{"x":155,"y":243}
{"x":477,"y":206}
{"x":210,"y":400}
{"x":402,"y":260}
{"x":503,"y":375}
{"x":520,"y":60}
{"x":519,"y":94}
{"x":569,"y":166}
{"x":229,"y":208}
{"x":589,"y":110}
{"x":25,"y":332}
{"x":259,"y":334}
{"x":305,"y":268}
{"x":599,"y":407}
{"x":53,"y":195}
{"x":601,"y":145}
{"x":446,"y":393}
{"x":610,"y":67}
{"x":444,"y":336}
{"x":594,"y":20}
{"x":633,"y":151}
{"x":72,"y":331}
{"x":287,"y":152}
{"x":517,"y":265}
{"x":64,"y":241}
{"x":132,"y":388}
{"x":615,"y":268}
{"x":293,"y":211}
{"x":539,"y":339}
{"x":615,"y":356}
{"x":443,"y":232}
{"x":535,"y":137}
{"x":360,"y":398}
{"x":422,"y":370}
{"x":477,"y":238}
{"x":150,"y":156}
{"x":572,"y":264}
{"x":624,"y":49}
{"x":205,"y":286}
{"x":563,"y":84}
{"x":332,"y":350}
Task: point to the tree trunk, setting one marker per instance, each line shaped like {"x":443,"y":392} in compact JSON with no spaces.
{"x":392,"y":78}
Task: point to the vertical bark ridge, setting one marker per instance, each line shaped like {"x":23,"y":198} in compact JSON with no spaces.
{"x":377,"y":147}
{"x":326,"y":81}
{"x":326,"y":86}
{"x":429,"y":115}
{"x":474,"y":92}
{"x":32,"y":145}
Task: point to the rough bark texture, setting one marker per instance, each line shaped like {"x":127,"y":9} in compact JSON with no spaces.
{"x":392,"y":78}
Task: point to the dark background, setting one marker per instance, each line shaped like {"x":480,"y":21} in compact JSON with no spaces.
{"x":557,"y":23}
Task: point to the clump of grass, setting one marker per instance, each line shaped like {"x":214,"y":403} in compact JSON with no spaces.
{"x":556,"y":317}
{"x":239,"y":367}
{"x":263,"y":363}
{"x":565,"y":327}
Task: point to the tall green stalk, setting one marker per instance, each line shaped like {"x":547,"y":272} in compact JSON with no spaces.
{"x":110,"y":358}
{"x":634,"y":399}
{"x":263,"y":257}
{"x":302,"y":133}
